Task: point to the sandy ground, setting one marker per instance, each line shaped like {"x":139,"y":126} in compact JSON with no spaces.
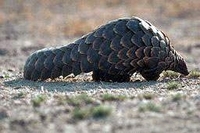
{"x":148,"y":107}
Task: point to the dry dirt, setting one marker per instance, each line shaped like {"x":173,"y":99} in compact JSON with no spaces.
{"x":26,"y":26}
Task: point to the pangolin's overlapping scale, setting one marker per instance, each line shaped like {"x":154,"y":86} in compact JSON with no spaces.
{"x":115,"y":43}
{"x":131,"y":52}
{"x":151,"y":61}
{"x":112,"y":70}
{"x":93,"y":56}
{"x":90,"y":38}
{"x":133,"y":62}
{"x":155,"y":41}
{"x":104,"y":64}
{"x":113,"y":58}
{"x":163,"y":44}
{"x":126,"y":40}
{"x":147,"y":40}
{"x":99,"y":31}
{"x":108,"y":33}
{"x":105,"y":48}
{"x":155,"y":51}
{"x":39,"y":64}
{"x":66,"y":70}
{"x":141,"y":63}
{"x":56,"y":72}
{"x":147,"y":51}
{"x":133,"y":25}
{"x":137,"y":39}
{"x":97,"y":43}
{"x":120,"y":66}
{"x":120,"y":27}
{"x":127,"y":63}
{"x":57,"y":60}
{"x":66,"y":59}
{"x":82,"y":48}
{"x":161,"y":35}
{"x":140,"y":52}
{"x":30,"y":66}
{"x":75,"y":55}
{"x":76,"y":68}
{"x":45,"y":74}
{"x":122,"y":54}
{"x":85,"y":65}
{"x":144,"y":26}
{"x":152,"y":28}
{"x":162,"y":55}
{"x":112,"y":51}
{"x":35,"y":75}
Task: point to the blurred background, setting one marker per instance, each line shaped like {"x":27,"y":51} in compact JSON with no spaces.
{"x":28,"y":25}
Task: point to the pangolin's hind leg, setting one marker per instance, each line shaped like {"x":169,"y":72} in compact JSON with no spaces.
{"x":99,"y":75}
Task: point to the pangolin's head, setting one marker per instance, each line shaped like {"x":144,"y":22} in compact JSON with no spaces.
{"x":180,"y":65}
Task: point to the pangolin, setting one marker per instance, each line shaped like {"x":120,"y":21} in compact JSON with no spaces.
{"x":113,"y":52}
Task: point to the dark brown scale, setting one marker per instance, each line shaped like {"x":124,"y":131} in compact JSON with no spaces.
{"x":108,"y":33}
{"x":66,"y":70}
{"x":120,"y":27}
{"x":113,"y":52}
{"x":75,"y":55}
{"x":56,"y":72}
{"x":39,"y":64}
{"x":112,"y":58}
{"x":57,"y":59}
{"x":122,"y":54}
{"x":115,"y":43}
{"x":97,"y":43}
{"x":92,"y":56}
{"x":86,"y":66}
{"x":105,"y":49}
{"x":126,"y":40}
{"x":45,"y":73}
{"x":82,"y":48}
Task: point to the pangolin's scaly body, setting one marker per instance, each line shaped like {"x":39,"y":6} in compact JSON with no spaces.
{"x":113,"y":52}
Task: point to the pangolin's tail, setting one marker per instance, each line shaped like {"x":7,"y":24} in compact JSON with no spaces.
{"x":54,"y":62}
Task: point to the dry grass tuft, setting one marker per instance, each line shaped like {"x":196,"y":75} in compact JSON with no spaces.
{"x":194,"y":74}
{"x":170,"y":74}
{"x":99,"y":111}
{"x":149,"y":107}
{"x":172,"y":85}
{"x":112,"y":97}
{"x":38,"y":100}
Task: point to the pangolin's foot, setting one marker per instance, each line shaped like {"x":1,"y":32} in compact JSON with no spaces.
{"x":99,"y":75}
